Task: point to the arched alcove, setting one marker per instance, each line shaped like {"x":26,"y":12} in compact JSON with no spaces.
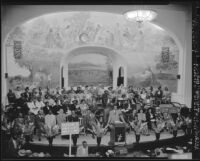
{"x":116,"y":59}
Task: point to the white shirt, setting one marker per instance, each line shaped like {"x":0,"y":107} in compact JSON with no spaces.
{"x":51,"y":102}
{"x":40,"y":104}
{"x":31,"y":105}
{"x":18,"y":94}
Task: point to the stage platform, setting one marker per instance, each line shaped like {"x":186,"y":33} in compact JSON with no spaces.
{"x":61,"y":146}
{"x":130,"y":139}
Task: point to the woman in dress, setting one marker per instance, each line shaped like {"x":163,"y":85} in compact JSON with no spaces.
{"x":142,"y":120}
{"x":84,"y":108}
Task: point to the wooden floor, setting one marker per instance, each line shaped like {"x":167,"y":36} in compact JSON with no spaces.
{"x":130,"y":138}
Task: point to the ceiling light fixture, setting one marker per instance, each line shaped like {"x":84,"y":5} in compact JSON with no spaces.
{"x":140,"y":15}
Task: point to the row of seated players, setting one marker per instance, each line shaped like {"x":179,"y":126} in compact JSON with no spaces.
{"x":81,"y":100}
{"x":142,"y":115}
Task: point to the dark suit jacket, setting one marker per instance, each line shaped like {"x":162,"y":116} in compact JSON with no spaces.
{"x":104,"y":99}
{"x":70,"y":118}
{"x":11,"y":97}
{"x":26,"y":96}
{"x":39,"y":120}
{"x":46,"y":109}
{"x":55,"y":109}
{"x":72,"y":107}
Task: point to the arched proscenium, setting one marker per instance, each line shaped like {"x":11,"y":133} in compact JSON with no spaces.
{"x":114,"y":56}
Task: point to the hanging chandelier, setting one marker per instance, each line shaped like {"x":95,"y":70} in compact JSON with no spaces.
{"x":140,"y":15}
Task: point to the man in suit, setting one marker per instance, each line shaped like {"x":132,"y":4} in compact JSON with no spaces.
{"x":105,"y":98}
{"x":159,"y":96}
{"x":29,"y":126}
{"x":14,"y":145}
{"x":115,"y":115}
{"x":56,"y":107}
{"x":11,"y":97}
{"x":26,"y":95}
{"x":82,"y":151}
{"x":47,"y":108}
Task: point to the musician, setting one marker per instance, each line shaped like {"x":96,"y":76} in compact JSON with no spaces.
{"x":34,"y":93}
{"x":84,"y":107}
{"x":18,"y":123}
{"x":158,"y":126}
{"x":39,"y":103}
{"x":47,"y":94}
{"x":188,"y":121}
{"x":14,"y":144}
{"x":166,"y":96}
{"x":50,"y":119}
{"x":40,"y":92}
{"x":32,"y":106}
{"x":142,"y":120}
{"x":39,"y":123}
{"x":136,"y":125}
{"x":150,"y":116}
{"x":105,"y":98}
{"x":99,"y":132}
{"x":61,"y":117}
{"x":56,"y":108}
{"x":26,"y":95}
{"x":11,"y":97}
{"x":29,"y":121}
{"x":168,"y":119}
{"x":159,"y":96}
{"x":159,"y":114}
{"x":175,"y":126}
{"x":51,"y":101}
{"x":18,"y":99}
{"x":73,"y":106}
{"x":47,"y":108}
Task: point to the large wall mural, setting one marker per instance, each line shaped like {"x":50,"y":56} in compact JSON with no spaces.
{"x":35,"y":48}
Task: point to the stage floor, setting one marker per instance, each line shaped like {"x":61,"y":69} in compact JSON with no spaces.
{"x":130,"y":138}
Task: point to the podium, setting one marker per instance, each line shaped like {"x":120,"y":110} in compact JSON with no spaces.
{"x":118,"y":134}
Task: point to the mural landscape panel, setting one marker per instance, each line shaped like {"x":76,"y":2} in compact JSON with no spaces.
{"x":35,"y":49}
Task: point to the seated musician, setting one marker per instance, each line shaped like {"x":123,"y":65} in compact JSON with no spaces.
{"x":32,"y":106}
{"x":142,"y":120}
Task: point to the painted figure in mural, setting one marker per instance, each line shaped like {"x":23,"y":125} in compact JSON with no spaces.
{"x":50,"y":39}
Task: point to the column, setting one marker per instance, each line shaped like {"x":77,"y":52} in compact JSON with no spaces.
{"x":65,"y":75}
{"x":115,"y":75}
{"x":184,"y":90}
{"x":188,"y":61}
{"x":3,"y":71}
{"x":125,"y":76}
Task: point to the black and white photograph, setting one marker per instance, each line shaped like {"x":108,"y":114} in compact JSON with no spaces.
{"x":100,"y":81}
